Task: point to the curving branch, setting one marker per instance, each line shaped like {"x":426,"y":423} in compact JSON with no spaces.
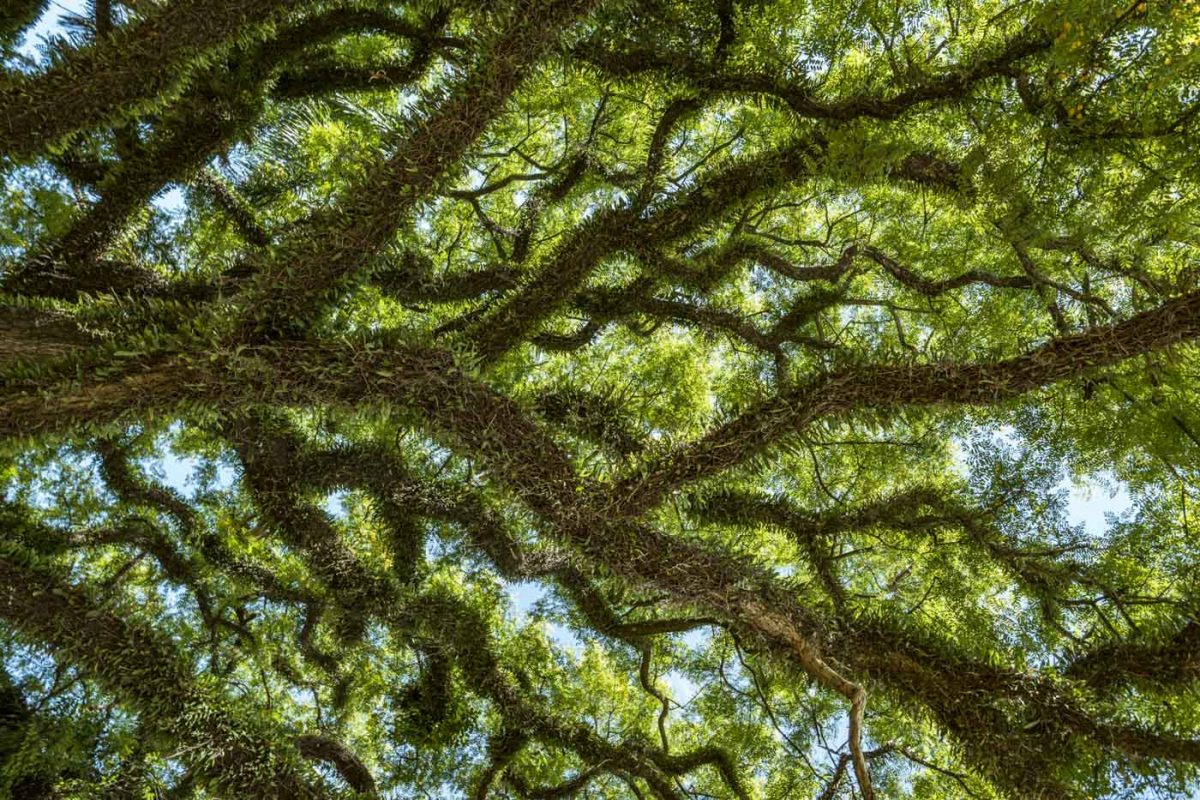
{"x":318,"y":747}
{"x":143,"y":667}
{"x":887,"y":387}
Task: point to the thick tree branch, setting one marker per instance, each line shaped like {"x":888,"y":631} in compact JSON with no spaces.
{"x":138,"y":62}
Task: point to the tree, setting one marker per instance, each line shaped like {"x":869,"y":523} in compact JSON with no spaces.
{"x":759,"y":341}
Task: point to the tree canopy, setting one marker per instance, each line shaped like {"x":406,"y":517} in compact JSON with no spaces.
{"x":593,"y":398}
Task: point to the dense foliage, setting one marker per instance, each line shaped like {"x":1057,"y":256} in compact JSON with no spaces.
{"x":597,"y":398}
